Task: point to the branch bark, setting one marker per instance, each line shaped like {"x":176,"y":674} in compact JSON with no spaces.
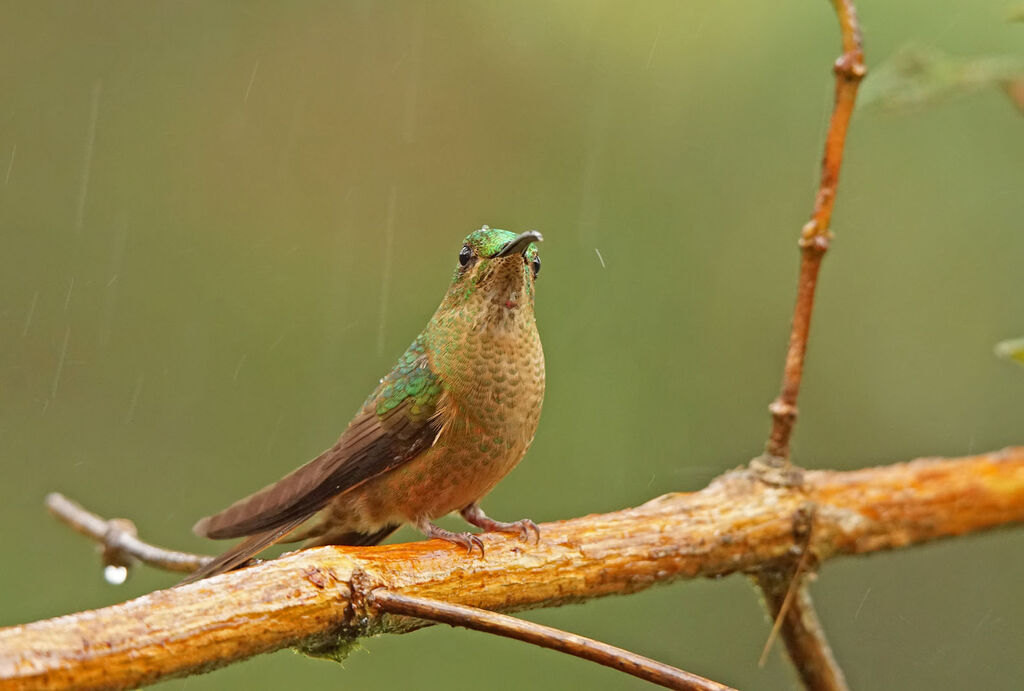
{"x":120,"y":546}
{"x":318,"y":599}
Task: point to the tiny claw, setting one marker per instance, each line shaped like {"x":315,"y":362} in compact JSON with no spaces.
{"x":475,"y":541}
{"x":525,"y":528}
{"x":536,"y":531}
{"x":528,"y":529}
{"x":467,"y":540}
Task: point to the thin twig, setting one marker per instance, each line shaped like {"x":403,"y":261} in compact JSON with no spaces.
{"x":120,"y":542}
{"x":801,"y":630}
{"x":795,"y":582}
{"x":815,"y":236}
{"x":544,"y":636}
{"x":789,"y":600}
{"x":315,"y":598}
{"x":805,"y":639}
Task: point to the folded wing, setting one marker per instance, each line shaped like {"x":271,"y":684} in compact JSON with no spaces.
{"x":396,"y":424}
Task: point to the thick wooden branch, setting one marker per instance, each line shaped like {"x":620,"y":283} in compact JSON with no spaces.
{"x":318,"y":598}
{"x":120,"y":546}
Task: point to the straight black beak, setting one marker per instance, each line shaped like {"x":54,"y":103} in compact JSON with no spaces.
{"x":520,"y":243}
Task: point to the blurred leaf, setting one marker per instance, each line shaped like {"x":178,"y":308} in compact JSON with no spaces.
{"x":1012,"y":349}
{"x":1015,"y":14}
{"x":1015,"y":92}
{"x":918,"y":76}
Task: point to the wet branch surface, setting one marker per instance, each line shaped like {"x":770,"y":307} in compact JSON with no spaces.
{"x":120,"y":545}
{"x":321,"y":599}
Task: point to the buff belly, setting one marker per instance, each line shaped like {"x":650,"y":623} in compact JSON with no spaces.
{"x":443,"y":479}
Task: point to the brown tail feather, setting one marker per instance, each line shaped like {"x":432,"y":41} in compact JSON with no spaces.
{"x":242,"y":552}
{"x":354,"y":538}
{"x":254,"y":544}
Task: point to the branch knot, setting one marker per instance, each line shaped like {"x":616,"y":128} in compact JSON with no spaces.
{"x":850,"y":66}
{"x":113,"y":549}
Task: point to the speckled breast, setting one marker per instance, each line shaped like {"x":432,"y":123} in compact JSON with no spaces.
{"x":490,"y":413}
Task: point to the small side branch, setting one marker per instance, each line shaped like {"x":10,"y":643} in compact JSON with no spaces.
{"x":815,"y":236}
{"x":545,"y":637}
{"x":789,"y":601}
{"x":118,"y":538}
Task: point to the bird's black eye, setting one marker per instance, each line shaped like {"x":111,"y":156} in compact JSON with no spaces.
{"x":465,"y":256}
{"x":536,"y":267}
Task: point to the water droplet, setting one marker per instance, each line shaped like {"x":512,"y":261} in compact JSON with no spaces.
{"x":115,"y":575}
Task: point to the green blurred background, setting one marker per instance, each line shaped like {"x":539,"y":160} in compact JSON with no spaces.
{"x":221,"y":222}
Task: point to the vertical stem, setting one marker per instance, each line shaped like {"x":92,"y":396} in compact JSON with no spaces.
{"x":801,"y":630}
{"x":815,"y":236}
{"x":785,"y":590}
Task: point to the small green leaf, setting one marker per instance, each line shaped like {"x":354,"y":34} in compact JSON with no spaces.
{"x":918,"y":76}
{"x":1012,"y":349}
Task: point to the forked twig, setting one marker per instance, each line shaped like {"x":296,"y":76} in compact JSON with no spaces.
{"x":545,"y":637}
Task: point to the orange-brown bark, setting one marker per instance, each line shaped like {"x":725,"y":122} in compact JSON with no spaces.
{"x":317,"y":597}
{"x":815,"y":236}
{"x":794,"y":609}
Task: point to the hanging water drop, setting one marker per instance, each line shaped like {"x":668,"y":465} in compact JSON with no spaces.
{"x":115,"y":575}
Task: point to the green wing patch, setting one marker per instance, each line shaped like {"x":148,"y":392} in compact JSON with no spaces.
{"x":410,"y":381}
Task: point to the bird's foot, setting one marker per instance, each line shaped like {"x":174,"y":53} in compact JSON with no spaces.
{"x":525,"y":528}
{"x":467,"y":540}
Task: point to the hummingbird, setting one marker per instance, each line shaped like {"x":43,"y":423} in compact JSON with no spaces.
{"x":456,"y":413}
